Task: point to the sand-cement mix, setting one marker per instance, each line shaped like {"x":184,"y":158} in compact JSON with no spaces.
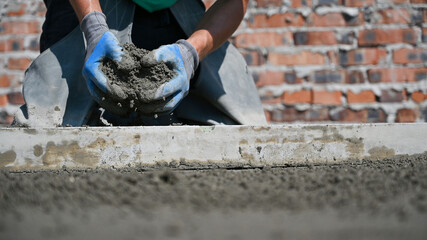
{"x":133,"y":81}
{"x":360,"y":199}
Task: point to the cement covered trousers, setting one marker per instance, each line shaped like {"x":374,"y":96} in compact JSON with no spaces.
{"x":55,"y":92}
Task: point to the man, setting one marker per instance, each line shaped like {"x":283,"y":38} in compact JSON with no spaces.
{"x":212,"y":85}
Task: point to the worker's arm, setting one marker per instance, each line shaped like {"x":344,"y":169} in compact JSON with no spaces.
{"x":100,"y":43}
{"x":84,"y":7}
{"x":217,"y":25}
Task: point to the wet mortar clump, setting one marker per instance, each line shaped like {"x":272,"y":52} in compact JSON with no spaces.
{"x":133,"y":81}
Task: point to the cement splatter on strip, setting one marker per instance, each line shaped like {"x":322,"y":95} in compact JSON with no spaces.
{"x":214,"y":146}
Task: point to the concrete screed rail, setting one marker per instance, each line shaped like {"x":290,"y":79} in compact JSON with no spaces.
{"x":206,"y":146}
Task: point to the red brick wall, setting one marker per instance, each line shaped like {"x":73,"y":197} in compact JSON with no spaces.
{"x":312,"y":60}
{"x":337,"y":60}
{"x":20,"y":28}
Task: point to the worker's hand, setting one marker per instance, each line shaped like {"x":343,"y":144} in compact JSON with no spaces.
{"x":183,"y":59}
{"x":101,"y":43}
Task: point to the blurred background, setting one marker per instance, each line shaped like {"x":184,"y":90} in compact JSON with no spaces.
{"x":312,"y":60}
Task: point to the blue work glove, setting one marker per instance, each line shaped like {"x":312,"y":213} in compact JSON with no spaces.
{"x":101,"y":43}
{"x":184,"y":59}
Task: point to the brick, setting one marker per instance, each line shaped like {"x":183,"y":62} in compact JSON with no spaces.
{"x":16,"y":80}
{"x":293,"y":115}
{"x":16,"y":9}
{"x":392,"y":96}
{"x":418,"y":16}
{"x":267,"y":115}
{"x":424,"y":37}
{"x":419,"y":1}
{"x":284,"y":115}
{"x":263,"y":39}
{"x":354,"y":77}
{"x":326,"y":20}
{"x":9,"y":119}
{"x":292,"y":78}
{"x":393,"y":16}
{"x":292,"y":59}
{"x":400,"y":1}
{"x":303,"y":96}
{"x":4,"y":81}
{"x":3,"y":100}
{"x":419,"y":74}
{"x":18,"y":27}
{"x":376,"y":116}
{"x":5,"y":118}
{"x":315,"y":115}
{"x":16,"y":98}
{"x":276,"y":20}
{"x":397,"y":75}
{"x":349,"y":115}
{"x":363,"y":56}
{"x":268,"y":3}
{"x":11,"y":45}
{"x":405,"y":56}
{"x":301,"y":3}
{"x":385,"y":75}
{"x":358,"y":3}
{"x":418,"y":96}
{"x":275,"y":78}
{"x":376,"y":37}
{"x":332,"y":57}
{"x":327,"y":98}
{"x":253,"y":58}
{"x":269,"y":78}
{"x":366,"y":96}
{"x":15,"y":44}
{"x":33,"y":45}
{"x":269,"y":98}
{"x":328,"y":2}
{"x":328,"y":76}
{"x":406,"y":115}
{"x":315,"y":38}
{"x":18,"y":63}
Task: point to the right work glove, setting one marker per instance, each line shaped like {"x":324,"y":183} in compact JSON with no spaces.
{"x":101,"y":43}
{"x":183,"y":58}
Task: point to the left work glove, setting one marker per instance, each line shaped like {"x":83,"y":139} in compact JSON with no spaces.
{"x":184,"y":60}
{"x":101,"y":43}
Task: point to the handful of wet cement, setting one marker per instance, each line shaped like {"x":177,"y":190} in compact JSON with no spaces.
{"x":133,"y":81}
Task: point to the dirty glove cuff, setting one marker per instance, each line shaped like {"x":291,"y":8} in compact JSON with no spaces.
{"x":189,"y":55}
{"x":93,"y":26}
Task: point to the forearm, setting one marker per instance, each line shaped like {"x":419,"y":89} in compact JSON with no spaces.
{"x":83,"y":7}
{"x":217,"y":25}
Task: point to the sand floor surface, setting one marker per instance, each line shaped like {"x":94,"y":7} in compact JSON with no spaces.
{"x":355,"y":200}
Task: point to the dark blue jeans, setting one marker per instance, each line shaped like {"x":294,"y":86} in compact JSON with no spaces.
{"x":149,"y":31}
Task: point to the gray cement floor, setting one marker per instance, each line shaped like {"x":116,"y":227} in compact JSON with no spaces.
{"x":356,"y":200}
